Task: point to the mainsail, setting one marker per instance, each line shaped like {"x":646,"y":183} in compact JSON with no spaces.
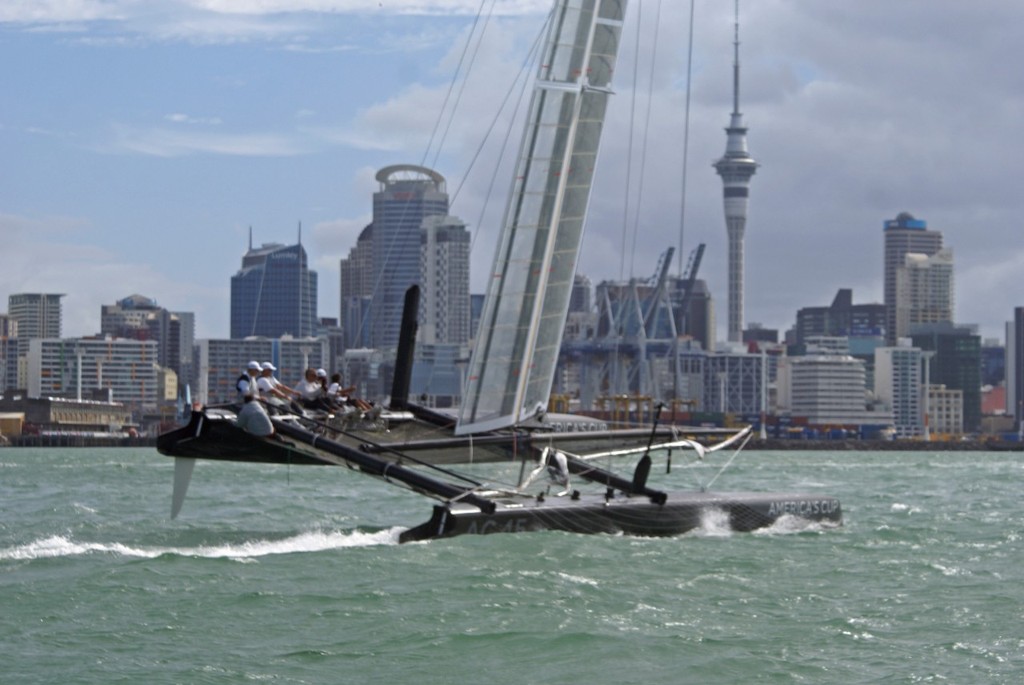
{"x":513,"y":362}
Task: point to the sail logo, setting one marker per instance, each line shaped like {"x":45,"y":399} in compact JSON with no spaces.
{"x":804,"y":507}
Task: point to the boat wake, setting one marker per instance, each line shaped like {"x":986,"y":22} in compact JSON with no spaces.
{"x":788,"y":524}
{"x":57,"y":546}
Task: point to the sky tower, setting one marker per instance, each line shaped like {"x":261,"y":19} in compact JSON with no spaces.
{"x":736,"y":167}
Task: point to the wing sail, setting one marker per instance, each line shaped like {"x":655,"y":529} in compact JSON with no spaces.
{"x":513,"y":361}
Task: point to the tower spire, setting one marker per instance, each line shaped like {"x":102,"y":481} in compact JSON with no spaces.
{"x":736,"y":168}
{"x":736,"y":62}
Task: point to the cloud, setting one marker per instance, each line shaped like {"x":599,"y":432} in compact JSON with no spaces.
{"x":59,"y":11}
{"x":179,"y":118}
{"x":160,"y":142}
{"x":55,"y":255}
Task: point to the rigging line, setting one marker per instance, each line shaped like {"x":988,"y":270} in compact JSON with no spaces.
{"x":451,"y":87}
{"x":686,"y":141}
{"x":726,"y":464}
{"x":647,"y":129}
{"x":529,"y":61}
{"x":465,"y":79}
{"x":407,"y":208}
{"x":629,"y":147}
{"x":259,"y":297}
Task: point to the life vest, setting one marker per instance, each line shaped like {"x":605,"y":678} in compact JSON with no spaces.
{"x":247,"y":389}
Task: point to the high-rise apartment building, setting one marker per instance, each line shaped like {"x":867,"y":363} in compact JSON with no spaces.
{"x":274,"y":293}
{"x":924,"y":290}
{"x":903,"y":235}
{"x":38,"y":315}
{"x":137,"y":317}
{"x":444,"y":280}
{"x":128,"y":369}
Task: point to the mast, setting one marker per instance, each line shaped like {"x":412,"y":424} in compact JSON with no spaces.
{"x":736,"y":168}
{"x":513,"y":362}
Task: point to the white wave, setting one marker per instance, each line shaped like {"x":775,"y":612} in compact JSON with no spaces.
{"x":714,"y":522}
{"x":579,"y":580}
{"x":312,"y":541}
{"x":788,"y":523}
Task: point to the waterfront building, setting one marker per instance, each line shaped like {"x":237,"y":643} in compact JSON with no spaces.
{"x":736,"y":168}
{"x":274,"y":293}
{"x":126,"y":369}
{"x":827,"y":390}
{"x":65,"y":414}
{"x":898,"y":374}
{"x":38,"y":315}
{"x":903,"y":235}
{"x":956,"y":363}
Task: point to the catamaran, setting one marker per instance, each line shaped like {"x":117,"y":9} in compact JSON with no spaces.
{"x":513,"y":360}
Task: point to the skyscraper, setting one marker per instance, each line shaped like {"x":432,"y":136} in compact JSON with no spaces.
{"x":408,"y":194}
{"x":38,"y":315}
{"x":903,"y":235}
{"x":274,"y":293}
{"x":387,"y":259}
{"x":736,"y":167}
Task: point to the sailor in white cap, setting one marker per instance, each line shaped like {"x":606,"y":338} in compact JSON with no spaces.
{"x":272,"y":390}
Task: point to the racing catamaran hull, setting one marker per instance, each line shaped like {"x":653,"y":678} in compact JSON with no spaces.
{"x":619,"y":514}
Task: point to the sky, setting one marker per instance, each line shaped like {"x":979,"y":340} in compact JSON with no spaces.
{"x":142,"y":140}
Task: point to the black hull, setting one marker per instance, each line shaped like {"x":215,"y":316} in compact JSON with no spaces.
{"x":681,"y":513}
{"x":213,"y":435}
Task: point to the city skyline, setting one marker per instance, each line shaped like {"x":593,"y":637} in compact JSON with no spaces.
{"x":161,"y":137}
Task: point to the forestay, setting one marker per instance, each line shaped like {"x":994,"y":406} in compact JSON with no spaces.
{"x":513,"y":362}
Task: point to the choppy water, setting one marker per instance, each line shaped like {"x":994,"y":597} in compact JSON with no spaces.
{"x":294,"y":576}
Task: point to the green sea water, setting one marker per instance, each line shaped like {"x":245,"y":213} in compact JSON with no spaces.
{"x":278,"y":575}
